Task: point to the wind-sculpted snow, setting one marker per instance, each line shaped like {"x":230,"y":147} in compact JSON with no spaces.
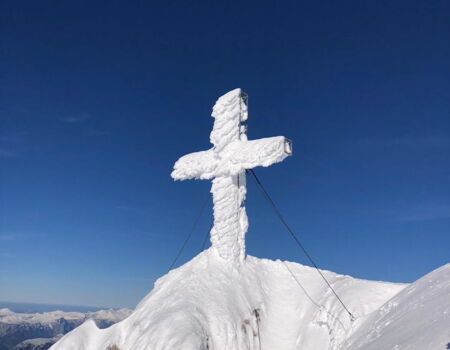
{"x":226,"y":163}
{"x":234,"y":159}
{"x":417,"y":318}
{"x":230,"y":220}
{"x":206,"y":304}
{"x":227,"y":113}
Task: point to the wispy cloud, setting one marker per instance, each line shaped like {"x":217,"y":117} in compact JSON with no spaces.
{"x":8,"y":153}
{"x":75,"y":119}
{"x":7,"y":237}
{"x":16,"y":236}
{"x":427,"y":211}
{"x":128,"y":208}
{"x":431,"y":141}
{"x":98,"y":132}
{"x":11,"y":144}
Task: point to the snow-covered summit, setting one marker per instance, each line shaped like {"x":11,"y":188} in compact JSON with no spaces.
{"x":5,"y":312}
{"x":206,"y":304}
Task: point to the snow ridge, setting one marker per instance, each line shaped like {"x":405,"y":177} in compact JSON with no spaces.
{"x":417,"y":318}
{"x":206,"y":304}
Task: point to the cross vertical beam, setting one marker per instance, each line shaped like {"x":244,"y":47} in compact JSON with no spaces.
{"x":225,"y":163}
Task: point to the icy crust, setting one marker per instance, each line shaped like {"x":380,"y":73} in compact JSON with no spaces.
{"x":417,"y":318}
{"x":234,"y":158}
{"x":251,"y":154}
{"x":226,"y":163}
{"x":197,"y":165}
{"x":206,"y":304}
{"x":227,"y":115}
{"x":230,"y":219}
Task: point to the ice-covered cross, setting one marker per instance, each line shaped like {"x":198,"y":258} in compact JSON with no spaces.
{"x":226,"y":163}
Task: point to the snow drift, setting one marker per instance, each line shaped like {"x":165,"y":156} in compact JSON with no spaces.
{"x":206,"y":304}
{"x":417,"y":318}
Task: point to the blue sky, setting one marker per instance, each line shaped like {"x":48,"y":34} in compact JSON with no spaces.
{"x":99,"y":99}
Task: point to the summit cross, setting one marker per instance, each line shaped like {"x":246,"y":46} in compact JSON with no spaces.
{"x":225,"y":163}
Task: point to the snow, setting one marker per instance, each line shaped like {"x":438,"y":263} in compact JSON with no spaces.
{"x":226,"y":163}
{"x":417,"y":318}
{"x":37,"y":342}
{"x":231,"y":153}
{"x":227,"y":118}
{"x":9,"y":317}
{"x":206,"y":304}
{"x":235,"y":158}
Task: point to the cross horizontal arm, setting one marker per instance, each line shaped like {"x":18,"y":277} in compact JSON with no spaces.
{"x":262,"y":152}
{"x":197,"y":165}
{"x":236,"y":157}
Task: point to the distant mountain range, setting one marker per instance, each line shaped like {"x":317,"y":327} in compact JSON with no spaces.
{"x":38,"y":331}
{"x":29,"y":308}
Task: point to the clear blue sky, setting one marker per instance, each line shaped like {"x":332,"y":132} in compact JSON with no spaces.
{"x":100,"y":98}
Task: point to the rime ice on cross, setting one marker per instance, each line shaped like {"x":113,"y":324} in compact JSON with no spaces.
{"x":226,"y":163}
